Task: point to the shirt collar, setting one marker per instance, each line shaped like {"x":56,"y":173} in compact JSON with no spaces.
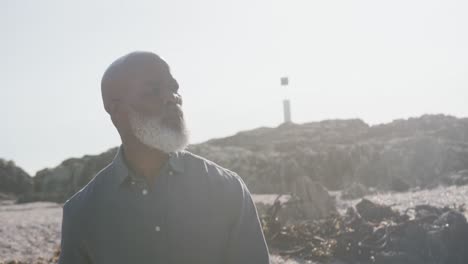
{"x":175,"y":162}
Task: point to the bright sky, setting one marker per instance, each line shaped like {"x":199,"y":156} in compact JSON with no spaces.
{"x":374,"y":60}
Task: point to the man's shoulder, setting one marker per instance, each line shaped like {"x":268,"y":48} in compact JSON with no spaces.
{"x":224,"y":184}
{"x":198,"y":163}
{"x":213,"y":176}
{"x":87,"y":194}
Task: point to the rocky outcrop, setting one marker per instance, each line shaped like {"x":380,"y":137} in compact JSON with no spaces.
{"x":13,"y":180}
{"x":61,"y":182}
{"x":395,"y":156}
{"x":399,"y":155}
{"x":335,"y":153}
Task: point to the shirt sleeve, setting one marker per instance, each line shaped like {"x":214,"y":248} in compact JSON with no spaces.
{"x":71,"y":249}
{"x":246,"y":240}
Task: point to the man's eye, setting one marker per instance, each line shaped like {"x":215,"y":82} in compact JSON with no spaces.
{"x":156,"y":90}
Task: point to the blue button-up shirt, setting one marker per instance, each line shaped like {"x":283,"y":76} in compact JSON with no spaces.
{"x":195,"y":212}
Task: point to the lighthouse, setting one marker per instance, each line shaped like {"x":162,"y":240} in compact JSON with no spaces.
{"x":286,"y":102}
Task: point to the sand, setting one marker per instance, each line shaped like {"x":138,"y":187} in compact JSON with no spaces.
{"x":29,"y":231}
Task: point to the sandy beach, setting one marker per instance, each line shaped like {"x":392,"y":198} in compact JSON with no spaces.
{"x":31,"y":231}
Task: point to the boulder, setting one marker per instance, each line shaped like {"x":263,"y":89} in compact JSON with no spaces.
{"x":374,"y":212}
{"x":355,"y":191}
{"x":398,"y":184}
{"x":13,"y":179}
{"x":314,"y":201}
{"x":59,"y":183}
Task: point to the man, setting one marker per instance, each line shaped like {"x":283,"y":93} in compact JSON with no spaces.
{"x":156,"y":203}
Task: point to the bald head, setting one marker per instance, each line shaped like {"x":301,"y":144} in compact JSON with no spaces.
{"x":142,"y":98}
{"x":117,"y":78}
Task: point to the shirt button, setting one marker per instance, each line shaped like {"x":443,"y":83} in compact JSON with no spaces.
{"x":144,"y":192}
{"x":132,"y":182}
{"x":157,"y":228}
{"x":170,"y":173}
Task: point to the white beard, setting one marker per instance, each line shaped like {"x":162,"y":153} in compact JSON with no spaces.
{"x":154,"y":134}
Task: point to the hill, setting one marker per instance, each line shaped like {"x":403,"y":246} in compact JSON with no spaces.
{"x":417,"y":152}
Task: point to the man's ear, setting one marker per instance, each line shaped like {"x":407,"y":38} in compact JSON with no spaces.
{"x":116,"y":112}
{"x":114,"y":107}
{"x":120,"y":118}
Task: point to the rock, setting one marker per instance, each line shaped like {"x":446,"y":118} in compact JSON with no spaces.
{"x":13,"y":179}
{"x":374,"y":212}
{"x":309,"y":200}
{"x":7,"y":196}
{"x":315,"y":201}
{"x":397,"y":258}
{"x":355,"y":191}
{"x":386,"y":239}
{"x":61,"y":182}
{"x":452,"y":220}
{"x":399,"y":185}
{"x":459,"y":178}
{"x":449,"y":238}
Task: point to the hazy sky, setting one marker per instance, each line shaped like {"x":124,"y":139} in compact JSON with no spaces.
{"x":374,"y":60}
